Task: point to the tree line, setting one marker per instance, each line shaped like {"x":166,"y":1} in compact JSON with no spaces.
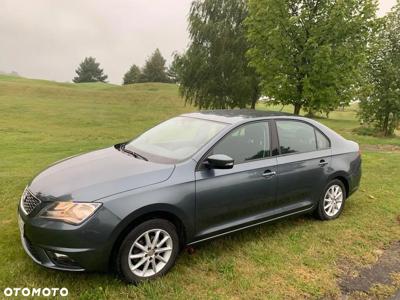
{"x":154,"y":70}
{"x":316,"y":55}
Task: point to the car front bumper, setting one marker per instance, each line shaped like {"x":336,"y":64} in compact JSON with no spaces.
{"x":61,"y":246}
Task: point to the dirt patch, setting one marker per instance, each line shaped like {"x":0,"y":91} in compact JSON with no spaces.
{"x":380,"y":273}
{"x":380,"y":148}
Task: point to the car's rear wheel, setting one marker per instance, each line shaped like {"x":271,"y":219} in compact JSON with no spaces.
{"x":148,"y":251}
{"x":331,"y":204}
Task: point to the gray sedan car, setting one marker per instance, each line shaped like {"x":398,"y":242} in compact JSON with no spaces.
{"x":133,"y":206}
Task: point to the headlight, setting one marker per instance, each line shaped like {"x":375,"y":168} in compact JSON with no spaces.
{"x":69,"y":212}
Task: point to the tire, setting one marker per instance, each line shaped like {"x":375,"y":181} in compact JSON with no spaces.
{"x":140,"y":258}
{"x":331,"y":202}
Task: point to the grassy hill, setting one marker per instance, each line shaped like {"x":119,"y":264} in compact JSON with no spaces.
{"x":58,"y":119}
{"x":43,"y":121}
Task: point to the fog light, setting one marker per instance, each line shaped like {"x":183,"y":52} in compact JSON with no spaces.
{"x":62,"y":259}
{"x":61,"y":256}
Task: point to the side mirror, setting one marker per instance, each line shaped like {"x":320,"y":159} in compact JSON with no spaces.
{"x":219,"y":161}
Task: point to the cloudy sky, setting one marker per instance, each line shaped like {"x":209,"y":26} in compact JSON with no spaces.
{"x":47,"y":39}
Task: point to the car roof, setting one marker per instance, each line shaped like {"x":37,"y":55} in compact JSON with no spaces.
{"x":233,"y":116}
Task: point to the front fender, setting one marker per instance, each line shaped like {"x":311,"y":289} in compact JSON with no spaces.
{"x":157,"y":209}
{"x":177,"y":200}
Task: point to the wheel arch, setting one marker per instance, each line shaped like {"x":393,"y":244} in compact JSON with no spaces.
{"x":155,"y":211}
{"x":344,"y":179}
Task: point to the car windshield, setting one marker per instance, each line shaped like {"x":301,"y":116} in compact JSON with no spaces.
{"x":175,"y":140}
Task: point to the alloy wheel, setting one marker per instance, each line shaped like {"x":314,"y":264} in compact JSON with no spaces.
{"x":150,"y":253}
{"x":333,"y":200}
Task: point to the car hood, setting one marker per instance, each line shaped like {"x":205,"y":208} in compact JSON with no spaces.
{"x":95,"y":175}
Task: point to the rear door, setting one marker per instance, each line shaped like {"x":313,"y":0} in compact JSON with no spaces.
{"x":303,"y":164}
{"x":226,"y":199}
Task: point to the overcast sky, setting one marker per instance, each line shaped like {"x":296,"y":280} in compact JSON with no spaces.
{"x":47,"y":39}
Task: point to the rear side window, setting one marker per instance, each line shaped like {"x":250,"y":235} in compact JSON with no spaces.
{"x":246,"y":143}
{"x":322,"y":141}
{"x":295,"y":137}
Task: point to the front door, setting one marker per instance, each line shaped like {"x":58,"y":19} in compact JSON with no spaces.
{"x":227,"y":199}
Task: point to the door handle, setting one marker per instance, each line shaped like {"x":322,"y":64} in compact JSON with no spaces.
{"x":268,"y":174}
{"x":322,"y":163}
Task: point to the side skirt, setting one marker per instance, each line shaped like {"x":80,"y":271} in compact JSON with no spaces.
{"x":252,"y":225}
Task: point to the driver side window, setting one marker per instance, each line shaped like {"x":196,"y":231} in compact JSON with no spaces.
{"x":246,"y":143}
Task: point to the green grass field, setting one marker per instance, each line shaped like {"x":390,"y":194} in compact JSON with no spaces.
{"x":42,"y":121}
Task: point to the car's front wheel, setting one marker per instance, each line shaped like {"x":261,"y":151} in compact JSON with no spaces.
{"x":331,"y":204}
{"x":148,"y":251}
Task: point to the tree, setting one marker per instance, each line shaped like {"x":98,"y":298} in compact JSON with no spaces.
{"x":381,"y":104}
{"x":154,"y":69}
{"x":309,"y":52}
{"x":89,"y":71}
{"x":173,"y":70}
{"x":133,"y":75}
{"x":214,"y":72}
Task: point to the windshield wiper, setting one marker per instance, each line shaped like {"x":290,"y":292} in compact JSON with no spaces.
{"x":134,"y":154}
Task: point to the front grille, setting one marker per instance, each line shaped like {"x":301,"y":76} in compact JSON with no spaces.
{"x":29,"y":202}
